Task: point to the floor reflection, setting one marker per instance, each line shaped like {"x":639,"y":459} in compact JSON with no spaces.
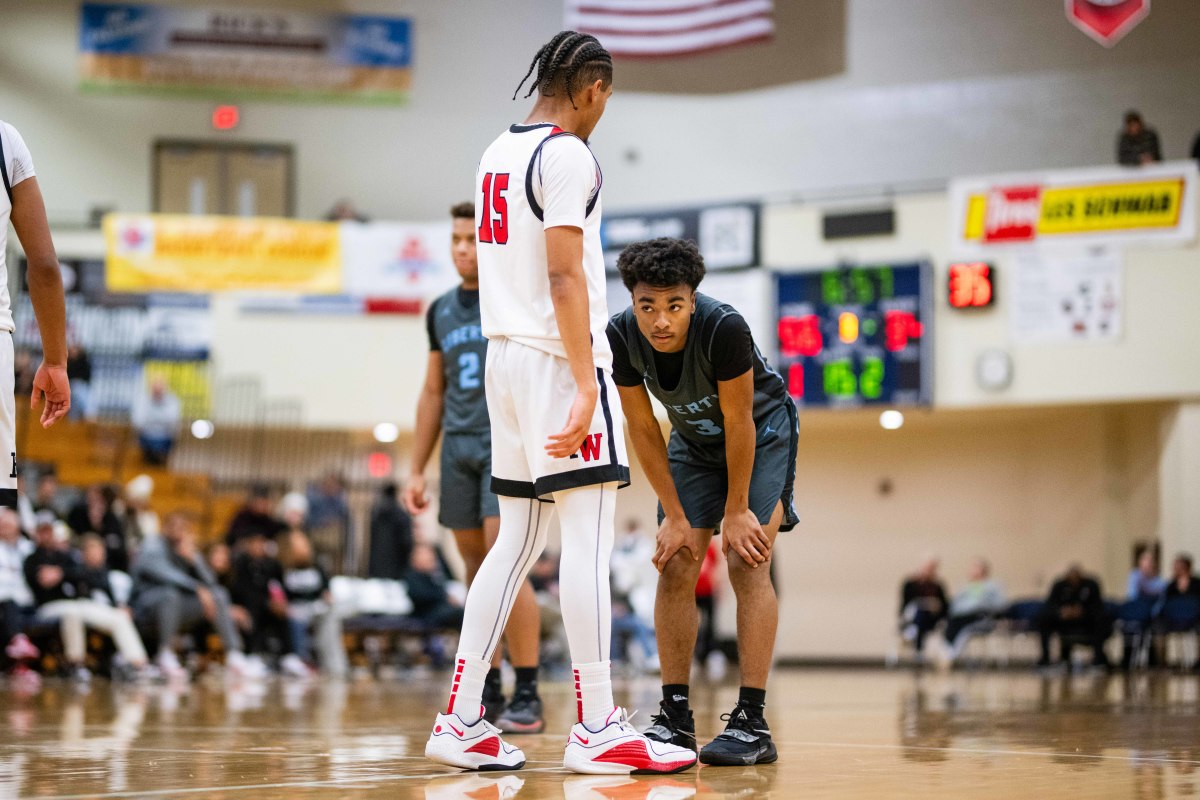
{"x":1080,"y":721}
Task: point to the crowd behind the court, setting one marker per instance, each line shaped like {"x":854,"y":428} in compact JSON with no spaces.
{"x":257,"y":600}
{"x":1075,"y":611}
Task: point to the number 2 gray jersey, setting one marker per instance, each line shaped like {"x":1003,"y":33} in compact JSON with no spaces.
{"x":453,"y":325}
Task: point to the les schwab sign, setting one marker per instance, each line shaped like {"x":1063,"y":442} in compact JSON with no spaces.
{"x":1084,"y":206}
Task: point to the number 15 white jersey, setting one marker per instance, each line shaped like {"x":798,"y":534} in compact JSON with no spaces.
{"x":531,"y":178}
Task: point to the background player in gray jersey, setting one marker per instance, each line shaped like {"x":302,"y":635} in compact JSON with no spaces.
{"x":730,"y":465}
{"x":452,"y":402}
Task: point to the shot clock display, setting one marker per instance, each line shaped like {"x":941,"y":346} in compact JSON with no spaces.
{"x":856,"y":336}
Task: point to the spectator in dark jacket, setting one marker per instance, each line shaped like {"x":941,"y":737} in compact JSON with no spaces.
{"x":922,"y":604}
{"x":1137,"y":144}
{"x":1196,"y":148}
{"x":174,"y":591}
{"x":258,"y":588}
{"x":1183,"y":582}
{"x":94,"y":514}
{"x":1075,"y":609}
{"x":254,"y":519}
{"x":391,"y":536}
{"x":426,"y":583}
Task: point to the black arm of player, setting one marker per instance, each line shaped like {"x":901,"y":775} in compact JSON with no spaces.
{"x":429,"y":426}
{"x":740,"y":529}
{"x":675,"y":533}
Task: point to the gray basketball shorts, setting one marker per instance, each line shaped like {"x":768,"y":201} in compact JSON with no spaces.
{"x":702,"y":480}
{"x":466,"y":496}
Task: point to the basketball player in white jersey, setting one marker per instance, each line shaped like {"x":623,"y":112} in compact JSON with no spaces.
{"x":21,"y":203}
{"x":543,"y":310}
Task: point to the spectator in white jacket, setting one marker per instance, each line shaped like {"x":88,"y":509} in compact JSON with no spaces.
{"x":981,"y":598}
{"x":16,"y":601}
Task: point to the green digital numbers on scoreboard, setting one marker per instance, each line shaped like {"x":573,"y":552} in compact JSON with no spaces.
{"x":840,"y":380}
{"x":870,"y":382}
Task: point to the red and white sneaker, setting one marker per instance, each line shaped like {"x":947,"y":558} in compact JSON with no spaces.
{"x":619,"y":748}
{"x":476,"y":746}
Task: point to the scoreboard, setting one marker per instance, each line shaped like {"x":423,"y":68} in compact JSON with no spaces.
{"x":855,"y":336}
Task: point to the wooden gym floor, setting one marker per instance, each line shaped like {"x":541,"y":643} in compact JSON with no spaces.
{"x":853,"y":734}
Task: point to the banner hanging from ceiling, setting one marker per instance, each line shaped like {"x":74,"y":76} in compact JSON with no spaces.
{"x":275,"y":54}
{"x":1107,"y":21}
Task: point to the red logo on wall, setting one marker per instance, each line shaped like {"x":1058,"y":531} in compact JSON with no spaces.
{"x":1012,"y":214}
{"x":1107,"y":21}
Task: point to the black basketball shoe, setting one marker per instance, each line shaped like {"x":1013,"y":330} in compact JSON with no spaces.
{"x":493,"y":701}
{"x":746,"y":740}
{"x":672,"y":726}
{"x":523,"y":715}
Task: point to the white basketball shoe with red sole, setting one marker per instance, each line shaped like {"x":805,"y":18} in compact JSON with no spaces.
{"x":618,"y":748}
{"x":475,"y":746}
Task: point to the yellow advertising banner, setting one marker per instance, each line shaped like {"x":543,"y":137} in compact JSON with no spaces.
{"x":1110,"y":204}
{"x":182,"y":253}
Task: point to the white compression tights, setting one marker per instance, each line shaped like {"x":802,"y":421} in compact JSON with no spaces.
{"x":586,"y":520}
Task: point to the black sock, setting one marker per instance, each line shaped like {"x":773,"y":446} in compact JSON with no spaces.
{"x":756,"y":698}
{"x":675,"y":695}
{"x":493,"y":681}
{"x":527,"y":680}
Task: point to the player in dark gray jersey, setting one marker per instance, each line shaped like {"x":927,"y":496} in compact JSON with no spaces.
{"x":452,"y":402}
{"x":730,"y":465}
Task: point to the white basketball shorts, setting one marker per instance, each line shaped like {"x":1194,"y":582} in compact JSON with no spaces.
{"x":8,"y":423}
{"x":529,"y":397}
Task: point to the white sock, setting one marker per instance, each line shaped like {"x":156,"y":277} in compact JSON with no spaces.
{"x":466,"y":694}
{"x":593,"y":693}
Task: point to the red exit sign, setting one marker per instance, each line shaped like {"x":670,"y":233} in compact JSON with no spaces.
{"x":972,"y":285}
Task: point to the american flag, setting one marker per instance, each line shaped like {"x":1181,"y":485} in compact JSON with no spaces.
{"x":651,"y":28}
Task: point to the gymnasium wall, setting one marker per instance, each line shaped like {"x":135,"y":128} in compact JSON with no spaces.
{"x":895,"y":93}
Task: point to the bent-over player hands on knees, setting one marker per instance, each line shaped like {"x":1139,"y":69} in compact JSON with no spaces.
{"x":552,"y":407}
{"x":729,"y":465}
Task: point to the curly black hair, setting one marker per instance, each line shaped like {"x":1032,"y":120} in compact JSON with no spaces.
{"x":464,"y":210}
{"x":661,"y":262}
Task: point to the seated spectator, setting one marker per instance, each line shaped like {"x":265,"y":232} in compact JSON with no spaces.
{"x":156,"y":416}
{"x":1144,"y":581}
{"x":1137,"y":144}
{"x":138,"y":520}
{"x":79,"y":373}
{"x":47,"y":497}
{"x":1075,"y":609}
{"x":391,"y":532}
{"x":174,"y":592}
{"x":94,"y":514}
{"x":922,"y":604}
{"x":981,"y":598}
{"x":634,"y":580}
{"x":432,"y":604}
{"x":253,"y":519}
{"x":95,"y":606}
{"x":310,"y":606}
{"x":258,"y":588}
{"x":16,"y":601}
{"x":1183,"y":582}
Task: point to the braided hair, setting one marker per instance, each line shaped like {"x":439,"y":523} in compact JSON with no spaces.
{"x":569,"y":61}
